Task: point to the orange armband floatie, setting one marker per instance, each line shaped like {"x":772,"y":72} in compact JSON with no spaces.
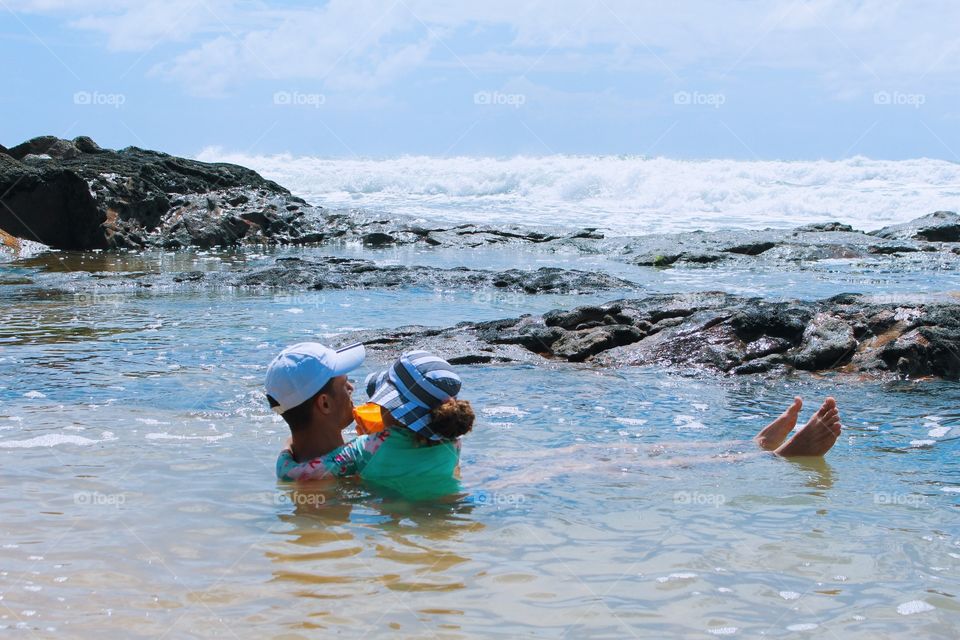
{"x":369,"y":418}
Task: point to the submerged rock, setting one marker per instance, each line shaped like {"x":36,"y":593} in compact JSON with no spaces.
{"x":335,"y":273}
{"x":352,"y":273}
{"x":711,"y":332}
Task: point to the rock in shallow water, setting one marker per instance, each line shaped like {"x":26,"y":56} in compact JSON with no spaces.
{"x":711,"y":332}
{"x":334,"y":273}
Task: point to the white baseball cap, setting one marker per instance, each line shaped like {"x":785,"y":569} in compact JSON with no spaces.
{"x":301,"y":370}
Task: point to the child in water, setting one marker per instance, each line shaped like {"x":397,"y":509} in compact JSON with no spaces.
{"x":409,"y":431}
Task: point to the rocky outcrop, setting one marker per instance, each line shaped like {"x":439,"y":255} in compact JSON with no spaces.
{"x":940,"y":226}
{"x":72,"y":194}
{"x":711,"y":332}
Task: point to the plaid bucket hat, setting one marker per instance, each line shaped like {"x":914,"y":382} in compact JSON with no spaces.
{"x":414,"y":385}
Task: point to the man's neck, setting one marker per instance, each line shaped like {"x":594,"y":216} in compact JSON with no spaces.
{"x":314,"y":443}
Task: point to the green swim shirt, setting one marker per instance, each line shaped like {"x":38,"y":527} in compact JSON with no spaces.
{"x":394,"y":458}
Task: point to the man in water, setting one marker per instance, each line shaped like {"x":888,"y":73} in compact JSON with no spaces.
{"x":421,"y":420}
{"x":308,"y":386}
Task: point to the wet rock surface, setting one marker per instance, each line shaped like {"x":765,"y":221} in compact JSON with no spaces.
{"x":72,"y":194}
{"x":334,"y":273}
{"x":352,"y":273}
{"x":710,"y":332}
{"x":940,"y":226}
{"x":827,"y":241}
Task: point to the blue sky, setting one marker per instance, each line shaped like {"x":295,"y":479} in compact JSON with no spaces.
{"x":696,"y":79}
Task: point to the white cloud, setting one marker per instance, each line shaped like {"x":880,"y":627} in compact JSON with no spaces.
{"x":350,"y":44}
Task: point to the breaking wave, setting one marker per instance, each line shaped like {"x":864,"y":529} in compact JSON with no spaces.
{"x":622,"y":193}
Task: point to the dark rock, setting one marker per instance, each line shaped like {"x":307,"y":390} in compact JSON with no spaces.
{"x":588,"y":234}
{"x":925,"y":351}
{"x":712,"y":336}
{"x":885,"y":249}
{"x":86,"y":197}
{"x":85,"y":144}
{"x":580,"y":316}
{"x":821,"y":227}
{"x":45,"y":146}
{"x":781,"y":320}
{"x":53,"y":207}
{"x":351,"y":273}
{"x":751,"y":248}
{"x":760,"y":365}
{"x":940,"y":226}
{"x":656,"y":260}
{"x":577,"y":346}
{"x":827,"y":343}
{"x":378,"y":239}
{"x":765,"y":346}
{"x":702,"y":258}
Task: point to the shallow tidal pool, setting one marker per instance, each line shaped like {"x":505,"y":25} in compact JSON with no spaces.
{"x":139,"y":498}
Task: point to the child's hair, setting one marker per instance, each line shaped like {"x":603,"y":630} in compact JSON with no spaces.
{"x":452,"y":419}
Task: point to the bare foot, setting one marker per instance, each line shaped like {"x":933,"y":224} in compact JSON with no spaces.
{"x":817,"y":436}
{"x":773,"y":435}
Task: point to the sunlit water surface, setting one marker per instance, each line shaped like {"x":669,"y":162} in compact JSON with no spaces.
{"x":138,"y":495}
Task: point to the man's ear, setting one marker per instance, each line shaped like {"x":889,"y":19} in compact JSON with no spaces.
{"x":322,"y":403}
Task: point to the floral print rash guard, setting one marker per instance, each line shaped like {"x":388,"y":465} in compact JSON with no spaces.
{"x":391,"y":456}
{"x":348,"y":460}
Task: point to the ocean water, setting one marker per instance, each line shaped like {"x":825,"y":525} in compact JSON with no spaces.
{"x":139,"y":500}
{"x":630,"y":195}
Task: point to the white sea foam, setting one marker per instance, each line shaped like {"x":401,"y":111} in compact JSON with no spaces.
{"x":515,"y":412}
{"x":673,"y":577}
{"x":914,"y":606}
{"x":173,"y":436}
{"x":633,"y":422}
{"x":48,"y":440}
{"x":688,"y":422}
{"x":623,"y":193}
